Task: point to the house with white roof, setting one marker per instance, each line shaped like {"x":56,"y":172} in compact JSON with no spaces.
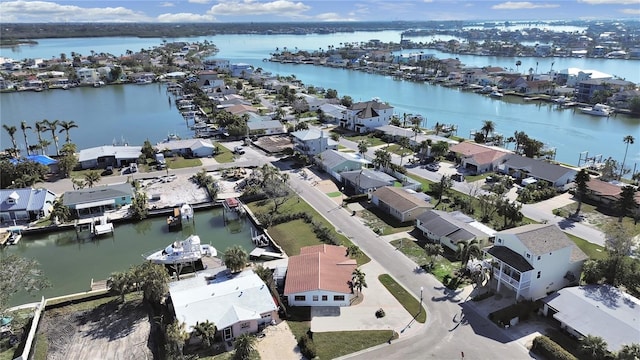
{"x":534,"y":260}
{"x":87,"y":75}
{"x":333,"y":112}
{"x":266,"y":127}
{"x":187,"y":147}
{"x":319,"y":276}
{"x":363,"y":117}
{"x":312,"y":142}
{"x":236,"y":304}
{"x":25,"y":204}
{"x":450,"y":229}
{"x":334,"y":162}
{"x":597,"y":310}
{"x":108,"y":155}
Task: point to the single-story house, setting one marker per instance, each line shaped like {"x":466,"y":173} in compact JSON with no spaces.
{"x":236,"y":304}
{"x":478,"y":158}
{"x":597,"y":310}
{"x":449,"y":229}
{"x":319,"y":276}
{"x":45,"y":160}
{"x":399,"y":203}
{"x":334,"y":162}
{"x":522,"y":167}
{"x":108,"y":155}
{"x":266,"y":127}
{"x":188,"y":147}
{"x":333,"y":112}
{"x":607,"y":193}
{"x":365,"y":180}
{"x":25,"y":204}
{"x":96,"y":200}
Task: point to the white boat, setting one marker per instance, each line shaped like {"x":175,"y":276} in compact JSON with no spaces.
{"x":597,"y":110}
{"x":496,"y":94}
{"x":14,"y":236}
{"x":182,"y":215}
{"x":180,"y":252}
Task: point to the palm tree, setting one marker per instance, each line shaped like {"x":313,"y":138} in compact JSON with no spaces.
{"x":176,"y":335}
{"x":66,"y":126}
{"x":382,"y":158}
{"x":362,"y":147}
{"x":434,"y":250}
{"x":518,"y":63}
{"x":59,"y":212}
{"x":120,"y":283}
{"x":627,"y":140}
{"x":353,"y":251}
{"x":593,"y":347}
{"x":24,"y":127}
{"x":629,"y":352}
{"x":40,"y":127}
{"x":245,"y":346}
{"x":235,"y":258}
{"x":488,"y":127}
{"x":467,"y":250}
{"x":92,"y":177}
{"x":265,"y":274}
{"x":44,"y":144}
{"x":52,"y":126}
{"x":12,"y":133}
{"x":404,"y":143}
{"x":358,"y":280}
{"x":581,"y":180}
{"x":206,"y":331}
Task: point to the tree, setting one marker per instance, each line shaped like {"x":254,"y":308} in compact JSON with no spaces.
{"x":593,"y":347}
{"x":19,"y":274}
{"x":518,"y":63}
{"x":382,"y":158}
{"x":441,"y":188}
{"x":618,"y":243}
{"x":176,"y":336}
{"x":275,"y":185}
{"x":152,"y":279}
{"x":467,"y":250}
{"x":39,"y":128}
{"x":433,"y":250}
{"x":362,"y":147}
{"x":68,"y":161}
{"x":627,"y":140}
{"x":92,"y":177}
{"x":629,"y":352}
{"x":358,"y":280}
{"x":510,"y":211}
{"x":52,"y":126}
{"x":581,"y":180}
{"x":120,"y":283}
{"x":439,"y":149}
{"x":139,"y":209}
{"x":353,"y":251}
{"x":147,"y":150}
{"x":235,"y":258}
{"x":11,"y":130}
{"x":60,"y":213}
{"x":488,"y":127}
{"x":626,"y":202}
{"x":265,"y":274}
{"x":245,"y":347}
{"x":331,"y":94}
{"x":404,"y":143}
{"x":206,"y":331}
{"x":66,"y":126}
{"x":24,"y":127}
{"x":346,"y":101}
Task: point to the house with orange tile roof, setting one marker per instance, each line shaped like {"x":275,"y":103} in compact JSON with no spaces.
{"x":320,"y":276}
{"x":478,"y":158}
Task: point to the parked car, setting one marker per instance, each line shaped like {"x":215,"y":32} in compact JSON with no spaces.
{"x":133,"y":168}
{"x":107,"y":171}
{"x":238,"y":150}
{"x":491,"y":179}
{"x":432,"y":167}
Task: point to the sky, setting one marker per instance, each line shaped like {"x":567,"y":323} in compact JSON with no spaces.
{"x":168,"y":11}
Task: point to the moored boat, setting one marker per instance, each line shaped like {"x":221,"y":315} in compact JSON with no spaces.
{"x":597,"y":110}
{"x":181,"y":215}
{"x":181,"y":252}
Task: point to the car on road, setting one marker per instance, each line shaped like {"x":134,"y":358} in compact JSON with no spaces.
{"x":238,"y":150}
{"x":432,"y":167}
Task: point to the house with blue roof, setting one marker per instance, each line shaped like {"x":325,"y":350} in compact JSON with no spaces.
{"x":25,"y":204}
{"x":45,"y":160}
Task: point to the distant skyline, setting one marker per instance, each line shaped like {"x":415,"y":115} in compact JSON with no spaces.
{"x":228,"y":11}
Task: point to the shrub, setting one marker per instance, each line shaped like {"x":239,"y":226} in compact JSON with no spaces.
{"x":307,"y":346}
{"x":380,"y":313}
{"x":549,"y":349}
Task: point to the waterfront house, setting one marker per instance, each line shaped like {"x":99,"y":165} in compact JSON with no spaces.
{"x":237,"y":304}
{"x":319,"y":276}
{"x":450,"y":229}
{"x":216,"y":64}
{"x":209,"y":79}
{"x":363,"y":117}
{"x":522,"y":167}
{"x":266,"y":127}
{"x":312,"y":142}
{"x":241,"y":70}
{"x":587,"y":88}
{"x":187,"y":147}
{"x":403,"y":205}
{"x":607,"y":194}
{"x":25,"y":204}
{"x":45,"y":160}
{"x":334,"y":162}
{"x":365,"y":181}
{"x":333,"y":112}
{"x":241,"y":109}
{"x":87,"y":75}
{"x":108,"y":155}
{"x":623,"y":99}
{"x":534,"y":260}
{"x":313,"y":102}
{"x":6,"y":84}
{"x":478,"y":158}
{"x":572,"y":76}
{"x":597,"y":310}
{"x":96,"y":200}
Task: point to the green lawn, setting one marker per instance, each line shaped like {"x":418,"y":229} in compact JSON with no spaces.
{"x":371,"y":140}
{"x":223,"y":155}
{"x":594,"y":251}
{"x":410,"y":303}
{"x":376,"y":219}
{"x":178,"y":162}
{"x":293,"y":235}
{"x":414,"y":251}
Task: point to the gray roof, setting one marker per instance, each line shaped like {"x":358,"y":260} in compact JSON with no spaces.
{"x":266,"y":124}
{"x":28,"y":199}
{"x":119,"y":152}
{"x":368,"y":179}
{"x":612,"y":314}
{"x":537,"y":168}
{"x":510,"y":257}
{"x":454,"y":225}
{"x":545,"y":238}
{"x":333,"y":158}
{"x":98,"y":193}
{"x":399,"y":199}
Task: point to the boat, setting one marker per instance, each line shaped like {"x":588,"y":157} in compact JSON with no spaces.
{"x":496,"y":94}
{"x":102,"y":226}
{"x":597,"y":110}
{"x":14,"y":236}
{"x":91,"y":227}
{"x":188,"y":250}
{"x":98,"y":84}
{"x":181,"y":215}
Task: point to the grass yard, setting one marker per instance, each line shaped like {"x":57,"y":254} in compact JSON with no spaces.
{"x":371,"y":140}
{"x":331,"y":345}
{"x":293,"y":235}
{"x":410,"y":303}
{"x":178,"y":162}
{"x":376,"y":219}
{"x":415,"y":251}
{"x":594,"y":251}
{"x":223,"y":155}
{"x":596,"y":216}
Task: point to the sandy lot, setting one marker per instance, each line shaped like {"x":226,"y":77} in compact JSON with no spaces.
{"x":278,"y":344}
{"x":106,"y":332}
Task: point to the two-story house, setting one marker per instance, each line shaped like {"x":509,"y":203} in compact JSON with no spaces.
{"x":312,"y":142}
{"x":363,"y":117}
{"x":534,"y":260}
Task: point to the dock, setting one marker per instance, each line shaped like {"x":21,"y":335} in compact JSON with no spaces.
{"x":263,"y":254}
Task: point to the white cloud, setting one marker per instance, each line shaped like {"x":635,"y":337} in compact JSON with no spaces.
{"x":167,"y":4}
{"x":610,"y":2}
{"x":631,"y":11}
{"x":251,"y":7}
{"x":185,"y":17}
{"x":519,"y":5}
{"x":199,"y":1}
{"x":333,"y":17}
{"x":44,"y":11}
